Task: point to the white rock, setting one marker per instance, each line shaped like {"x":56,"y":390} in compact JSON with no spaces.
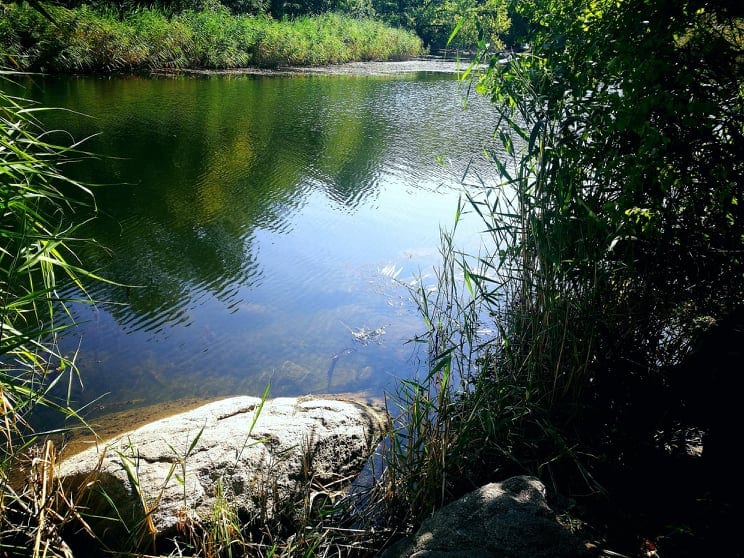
{"x":220,"y":449}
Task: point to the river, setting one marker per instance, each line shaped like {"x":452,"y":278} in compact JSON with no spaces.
{"x":262,"y":228}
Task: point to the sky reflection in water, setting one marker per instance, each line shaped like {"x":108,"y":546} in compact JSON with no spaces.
{"x":258,"y":223}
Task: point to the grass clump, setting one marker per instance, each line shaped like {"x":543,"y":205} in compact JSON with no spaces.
{"x":85,"y":39}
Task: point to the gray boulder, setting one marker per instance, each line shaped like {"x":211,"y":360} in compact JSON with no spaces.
{"x":253,"y":457}
{"x":510,"y":519}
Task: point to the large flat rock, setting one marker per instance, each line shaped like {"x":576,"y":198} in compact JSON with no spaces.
{"x":252,"y":455}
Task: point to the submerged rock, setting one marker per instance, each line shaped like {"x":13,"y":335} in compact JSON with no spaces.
{"x":511,"y":518}
{"x":236,"y":450}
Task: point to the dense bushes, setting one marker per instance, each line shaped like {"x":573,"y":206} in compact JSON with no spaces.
{"x":630,"y":187}
{"x":602,"y":331}
{"x":487,"y":21}
{"x":87,"y":40}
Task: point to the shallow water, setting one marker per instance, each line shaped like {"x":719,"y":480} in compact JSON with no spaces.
{"x":262,"y":228}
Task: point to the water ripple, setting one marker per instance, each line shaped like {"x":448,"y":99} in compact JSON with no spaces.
{"x":252,"y":221}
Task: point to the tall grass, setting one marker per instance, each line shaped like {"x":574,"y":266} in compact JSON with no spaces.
{"x":87,"y":40}
{"x":497,"y":362}
{"x":41,"y":210}
{"x":606,"y":263}
{"x":510,"y":336}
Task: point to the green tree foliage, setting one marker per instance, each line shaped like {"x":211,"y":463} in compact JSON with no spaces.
{"x":294,"y":8}
{"x":277,"y":8}
{"x":435,"y":20}
{"x":630,"y":238}
{"x":171,"y":7}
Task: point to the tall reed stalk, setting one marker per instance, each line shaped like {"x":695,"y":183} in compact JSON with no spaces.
{"x":615,"y":241}
{"x":509,"y":339}
{"x":40,"y":209}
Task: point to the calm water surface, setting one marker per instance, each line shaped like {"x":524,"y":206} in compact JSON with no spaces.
{"x":259,"y":226}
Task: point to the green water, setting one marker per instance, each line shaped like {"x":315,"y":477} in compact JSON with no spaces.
{"x":259,"y":226}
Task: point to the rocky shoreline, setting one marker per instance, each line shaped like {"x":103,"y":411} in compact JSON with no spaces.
{"x":257,"y":456}
{"x":251,"y":451}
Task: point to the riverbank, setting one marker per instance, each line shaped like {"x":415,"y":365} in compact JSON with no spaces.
{"x":84,"y":40}
{"x":423,"y":64}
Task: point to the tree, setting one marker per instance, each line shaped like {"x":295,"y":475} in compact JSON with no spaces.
{"x":435,"y":20}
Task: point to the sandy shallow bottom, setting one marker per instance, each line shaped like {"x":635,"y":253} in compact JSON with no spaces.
{"x":112,"y":424}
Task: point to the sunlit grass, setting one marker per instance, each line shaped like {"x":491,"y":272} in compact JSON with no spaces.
{"x":41,"y":211}
{"x":88,"y":40}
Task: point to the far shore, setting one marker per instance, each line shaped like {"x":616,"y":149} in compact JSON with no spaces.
{"x":370,"y":68}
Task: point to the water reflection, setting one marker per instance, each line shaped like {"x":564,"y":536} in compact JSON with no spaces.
{"x":249,"y":219}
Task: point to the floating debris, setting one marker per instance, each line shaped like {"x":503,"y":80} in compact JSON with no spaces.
{"x":364,"y":336}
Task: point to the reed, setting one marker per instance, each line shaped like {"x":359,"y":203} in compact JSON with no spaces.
{"x":100,"y":40}
{"x":604,"y":262}
{"x":41,"y":211}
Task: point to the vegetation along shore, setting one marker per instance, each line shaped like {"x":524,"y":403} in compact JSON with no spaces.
{"x":596,"y":345}
{"x":87,"y":40}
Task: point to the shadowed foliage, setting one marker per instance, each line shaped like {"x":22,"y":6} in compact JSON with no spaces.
{"x":603,"y":350}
